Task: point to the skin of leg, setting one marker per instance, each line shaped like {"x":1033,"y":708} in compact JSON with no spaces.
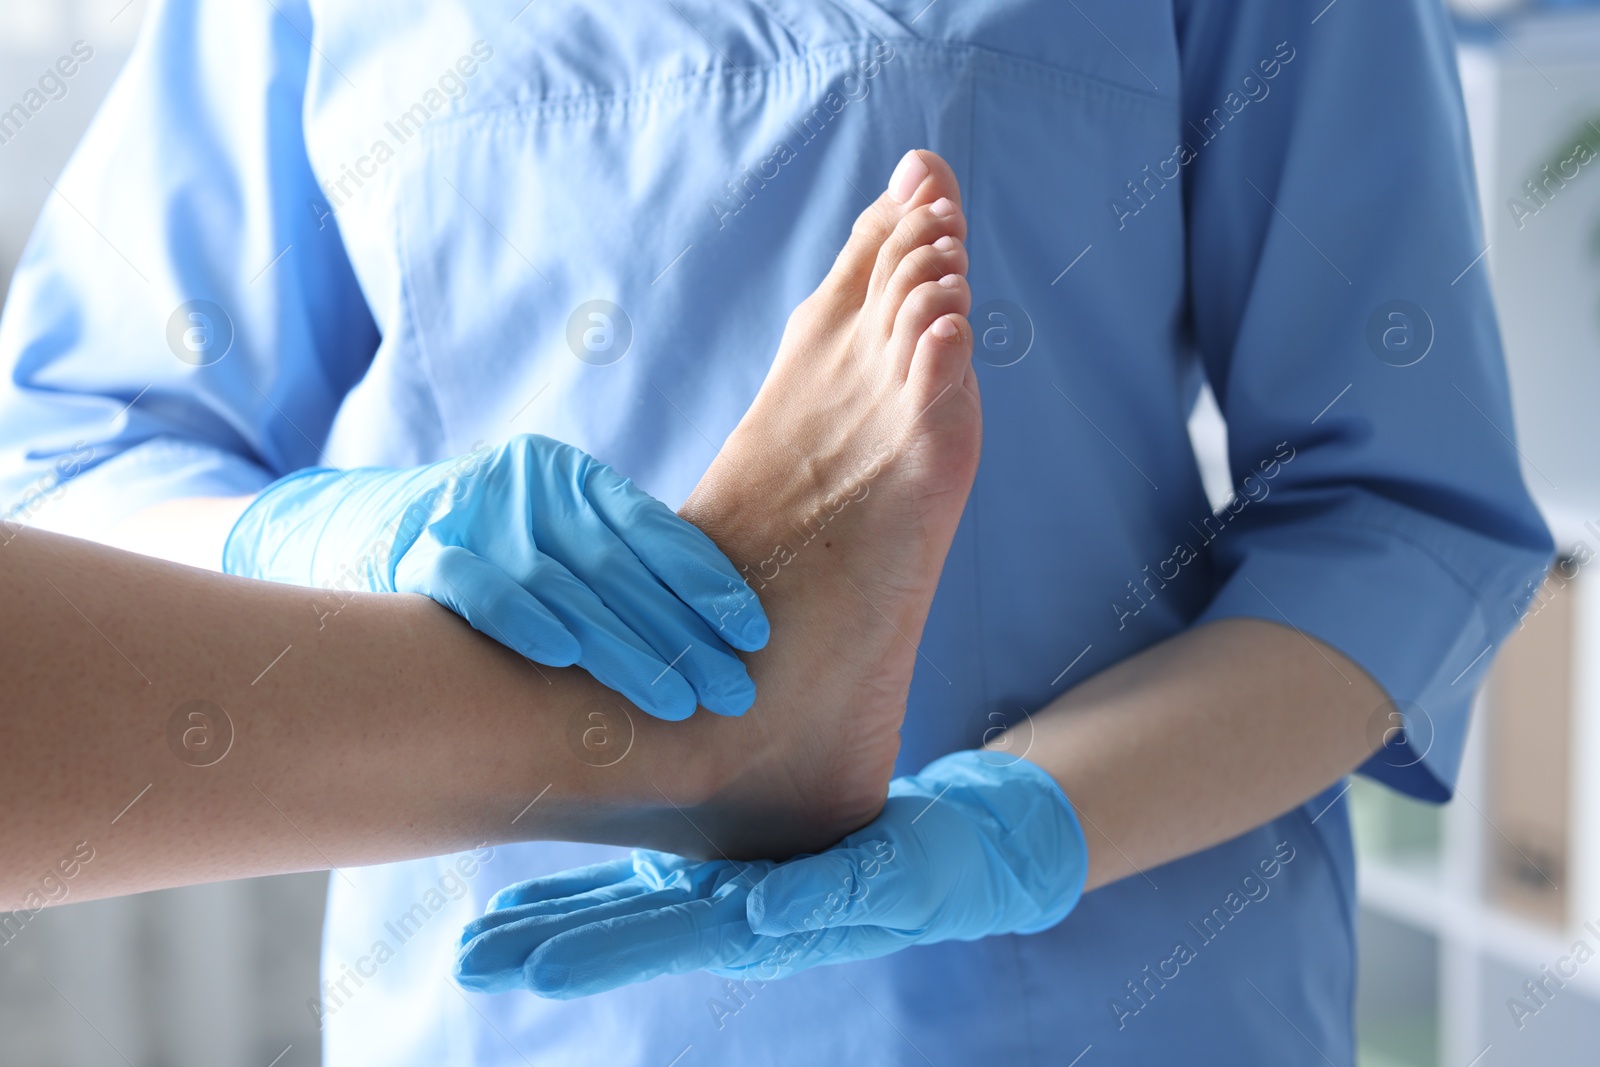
{"x":386,"y":731}
{"x":392,"y":731}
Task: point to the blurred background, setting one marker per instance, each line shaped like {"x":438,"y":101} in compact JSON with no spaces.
{"x":1479,"y":921}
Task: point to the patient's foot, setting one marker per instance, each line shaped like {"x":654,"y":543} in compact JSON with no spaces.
{"x":839,"y":494}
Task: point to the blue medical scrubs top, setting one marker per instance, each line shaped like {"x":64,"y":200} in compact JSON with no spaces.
{"x":358,"y":233}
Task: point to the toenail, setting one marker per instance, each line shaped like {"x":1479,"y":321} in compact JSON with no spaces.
{"x":945,"y":328}
{"x":942,"y":207}
{"x":950,"y":281}
{"x":907,"y":177}
{"x":945,"y":243}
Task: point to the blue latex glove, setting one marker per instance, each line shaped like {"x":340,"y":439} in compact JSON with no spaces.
{"x":977,"y":844}
{"x":537,"y":545}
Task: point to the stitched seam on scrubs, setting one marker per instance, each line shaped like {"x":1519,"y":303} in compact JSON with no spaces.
{"x":872,"y":14}
{"x":1346,"y":905}
{"x":1081,"y":83}
{"x":412,"y":324}
{"x":973,"y":191}
{"x":777,"y":16}
{"x":1029,"y":1043}
{"x":156,"y":449}
{"x":590,"y":104}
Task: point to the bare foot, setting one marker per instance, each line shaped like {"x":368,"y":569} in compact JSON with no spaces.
{"x":838,"y":495}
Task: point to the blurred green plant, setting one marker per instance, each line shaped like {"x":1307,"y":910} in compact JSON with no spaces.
{"x":1584,"y":136}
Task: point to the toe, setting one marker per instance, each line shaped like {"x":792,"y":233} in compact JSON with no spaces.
{"x":920,"y":179}
{"x":926,"y":303}
{"x":927,"y":245}
{"x":938,"y":180}
{"x":942,"y":363}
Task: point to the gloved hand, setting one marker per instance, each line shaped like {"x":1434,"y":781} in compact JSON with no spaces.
{"x":973,"y":846}
{"x":537,"y":545}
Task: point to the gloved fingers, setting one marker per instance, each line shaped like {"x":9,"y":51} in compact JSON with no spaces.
{"x":577,"y":891}
{"x":866,"y":884}
{"x":611,"y":651}
{"x":488,"y":599}
{"x":640,"y":945}
{"x":719,"y":678}
{"x":709,"y":936}
{"x":720,"y":681}
{"x":496,"y":958}
{"x":665,"y":624}
{"x":604,"y":559}
{"x":686,"y":560}
{"x":663,"y":877}
{"x":562,"y":884}
{"x":592,"y":942}
{"x":576,"y":904}
{"x":644,"y":869}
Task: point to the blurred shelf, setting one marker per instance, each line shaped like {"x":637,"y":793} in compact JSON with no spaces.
{"x":1415,"y":893}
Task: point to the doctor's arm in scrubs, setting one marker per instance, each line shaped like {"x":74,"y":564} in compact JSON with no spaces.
{"x":1389,"y":557}
{"x":182,"y":330}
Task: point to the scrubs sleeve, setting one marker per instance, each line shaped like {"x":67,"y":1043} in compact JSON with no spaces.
{"x":1342,"y":309}
{"x":184,"y":320}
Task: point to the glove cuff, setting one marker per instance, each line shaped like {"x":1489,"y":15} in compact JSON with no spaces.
{"x":251,"y":548}
{"x":1040,"y":839}
{"x":1071,"y":858}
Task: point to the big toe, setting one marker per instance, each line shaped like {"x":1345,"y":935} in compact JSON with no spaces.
{"x":921,"y":178}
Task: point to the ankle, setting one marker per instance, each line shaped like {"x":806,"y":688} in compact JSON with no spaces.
{"x":745,"y":507}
